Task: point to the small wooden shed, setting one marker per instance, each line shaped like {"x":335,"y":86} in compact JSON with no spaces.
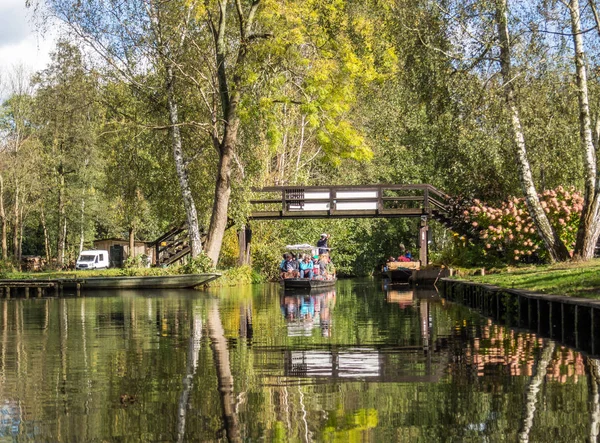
{"x":118,"y":249}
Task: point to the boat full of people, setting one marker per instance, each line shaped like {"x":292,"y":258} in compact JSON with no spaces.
{"x":306,"y":267}
{"x":400,"y":270}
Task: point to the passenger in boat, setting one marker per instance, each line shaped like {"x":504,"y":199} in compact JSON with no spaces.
{"x":317,"y":271}
{"x":322,"y":244}
{"x":403,"y":258}
{"x":408,"y":255}
{"x":306,"y":267}
{"x":295,"y":262}
{"x":327,"y":266}
{"x":287,"y":268}
{"x":282,"y":264}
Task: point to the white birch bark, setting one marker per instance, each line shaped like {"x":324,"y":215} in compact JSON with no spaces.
{"x":554,"y":245}
{"x":184,"y":184}
{"x":588,"y":231}
{"x":532,"y":391}
{"x":4,"y":221}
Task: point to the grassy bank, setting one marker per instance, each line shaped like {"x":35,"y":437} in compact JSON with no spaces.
{"x":115,"y":272}
{"x":572,"y":279}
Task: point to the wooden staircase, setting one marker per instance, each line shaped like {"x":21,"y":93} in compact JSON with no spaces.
{"x":171,"y":246}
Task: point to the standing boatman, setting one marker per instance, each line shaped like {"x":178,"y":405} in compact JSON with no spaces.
{"x":322,"y":244}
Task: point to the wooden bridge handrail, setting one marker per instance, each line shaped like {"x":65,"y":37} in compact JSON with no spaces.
{"x":438,"y":204}
{"x":345,"y":188}
{"x":438,"y":192}
{"x":340,"y":200}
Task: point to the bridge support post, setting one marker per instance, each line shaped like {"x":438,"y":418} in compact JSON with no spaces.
{"x":423,"y":243}
{"x":244,"y":239}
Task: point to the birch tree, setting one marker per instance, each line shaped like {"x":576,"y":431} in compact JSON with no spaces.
{"x":589,"y":226}
{"x":556,"y":248}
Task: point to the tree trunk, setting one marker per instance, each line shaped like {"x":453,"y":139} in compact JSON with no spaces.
{"x":46,"y":238}
{"x":22,"y":228}
{"x":186,"y":192}
{"x":555,"y":246}
{"x":131,"y":242}
{"x":16,"y":224}
{"x":82,"y":230}
{"x":218,"y":219}
{"x":224,"y":377}
{"x":60,"y":241}
{"x":4,"y":221}
{"x":230,"y":96}
{"x":589,"y":224}
{"x":64,"y":241}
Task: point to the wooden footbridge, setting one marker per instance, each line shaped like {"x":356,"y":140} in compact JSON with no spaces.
{"x":375,"y":201}
{"x":313,"y":202}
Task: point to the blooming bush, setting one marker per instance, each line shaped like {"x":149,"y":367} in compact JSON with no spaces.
{"x":509,"y":231}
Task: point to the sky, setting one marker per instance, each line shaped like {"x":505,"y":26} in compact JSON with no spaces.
{"x":19,"y":41}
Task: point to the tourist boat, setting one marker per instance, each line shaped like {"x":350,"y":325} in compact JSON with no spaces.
{"x":401,"y":271}
{"x":141,"y":282}
{"x":307,"y":283}
{"x":304,"y":284}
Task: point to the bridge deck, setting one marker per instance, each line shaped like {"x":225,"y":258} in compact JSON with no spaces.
{"x":375,"y":201}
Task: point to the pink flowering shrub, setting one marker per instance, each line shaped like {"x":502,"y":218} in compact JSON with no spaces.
{"x":509,"y":232}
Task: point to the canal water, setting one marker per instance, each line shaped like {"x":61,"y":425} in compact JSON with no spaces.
{"x":360,"y":363}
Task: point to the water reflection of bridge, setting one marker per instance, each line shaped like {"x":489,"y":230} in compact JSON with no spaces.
{"x":407,"y":364}
{"x":418,"y":361}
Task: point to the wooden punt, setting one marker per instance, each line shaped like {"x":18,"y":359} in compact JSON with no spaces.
{"x":141,"y":282}
{"x":307,"y":283}
{"x":400,"y":272}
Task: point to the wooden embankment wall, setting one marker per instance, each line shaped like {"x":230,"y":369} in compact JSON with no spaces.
{"x":570,"y":320}
{"x":36,"y":288}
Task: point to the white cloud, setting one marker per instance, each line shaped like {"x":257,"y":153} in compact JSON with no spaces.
{"x":19,"y":41}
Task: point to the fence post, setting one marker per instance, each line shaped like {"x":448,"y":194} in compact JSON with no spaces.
{"x":423,"y":244}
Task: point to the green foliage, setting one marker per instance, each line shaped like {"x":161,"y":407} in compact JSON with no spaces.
{"x":137,"y":261}
{"x":6,"y":268}
{"x":265,"y":260}
{"x":238,"y":276}
{"x":197,"y":265}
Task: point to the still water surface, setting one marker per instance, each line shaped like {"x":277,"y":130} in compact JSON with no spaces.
{"x":356,"y":364}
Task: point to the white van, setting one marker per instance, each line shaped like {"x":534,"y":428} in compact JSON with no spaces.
{"x":97,"y":259}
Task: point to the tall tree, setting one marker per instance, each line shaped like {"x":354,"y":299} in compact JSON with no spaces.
{"x":67,"y":120}
{"x":555,"y":246}
{"x":589,"y":226}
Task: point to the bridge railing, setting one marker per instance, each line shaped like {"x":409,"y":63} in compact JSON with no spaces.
{"x":348,"y":201}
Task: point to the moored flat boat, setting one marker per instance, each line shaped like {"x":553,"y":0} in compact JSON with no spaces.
{"x":400,"y":272}
{"x":307,"y":283}
{"x":141,"y":282}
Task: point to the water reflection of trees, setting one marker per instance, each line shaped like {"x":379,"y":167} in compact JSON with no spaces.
{"x":492,"y":348}
{"x":197,"y":368}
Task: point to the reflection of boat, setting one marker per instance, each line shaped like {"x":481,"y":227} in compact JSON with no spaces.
{"x":307,"y":283}
{"x":402,"y":298}
{"x":305,"y":312}
{"x":401,"y":271}
{"x":145,"y":282}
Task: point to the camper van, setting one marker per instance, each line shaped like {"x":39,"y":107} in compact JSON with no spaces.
{"x":93,"y":260}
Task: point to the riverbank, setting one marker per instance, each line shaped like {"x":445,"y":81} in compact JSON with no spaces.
{"x":570,"y":279}
{"x":229,"y":277}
